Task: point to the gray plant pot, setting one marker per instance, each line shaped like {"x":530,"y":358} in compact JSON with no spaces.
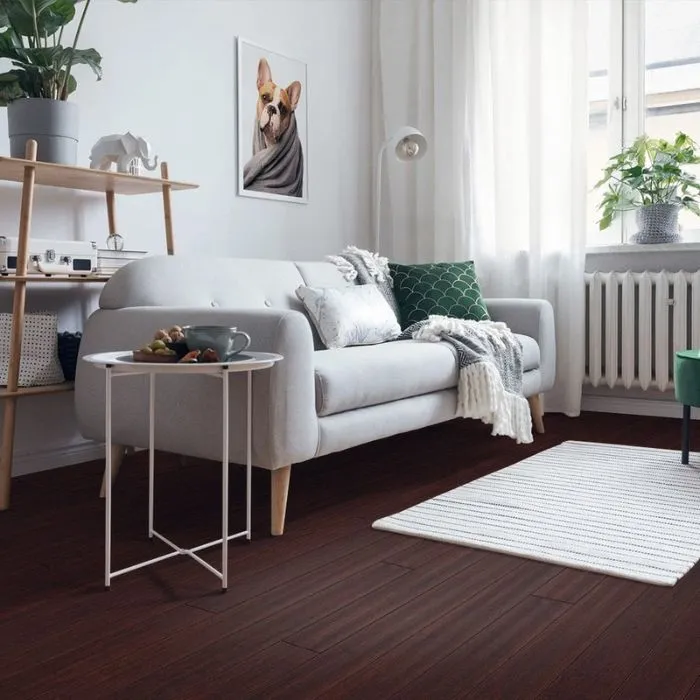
{"x":658,"y":223}
{"x":53,"y":124}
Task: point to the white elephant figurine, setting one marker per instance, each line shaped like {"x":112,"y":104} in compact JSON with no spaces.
{"x":129,"y":152}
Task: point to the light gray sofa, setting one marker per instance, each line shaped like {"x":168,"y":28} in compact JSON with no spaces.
{"x":314,"y":402}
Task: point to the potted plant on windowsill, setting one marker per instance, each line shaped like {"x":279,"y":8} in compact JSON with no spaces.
{"x":649,"y":177}
{"x":37,"y":87}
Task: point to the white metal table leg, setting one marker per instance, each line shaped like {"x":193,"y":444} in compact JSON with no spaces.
{"x":249,"y":449}
{"x":224,"y":481}
{"x":151,"y":447}
{"x":108,"y":475}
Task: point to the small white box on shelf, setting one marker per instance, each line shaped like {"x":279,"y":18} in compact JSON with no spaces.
{"x":109,"y":261}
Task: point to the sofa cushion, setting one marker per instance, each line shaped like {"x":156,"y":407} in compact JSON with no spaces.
{"x":531,"y":352}
{"x":442,"y":289}
{"x":360,"y":376}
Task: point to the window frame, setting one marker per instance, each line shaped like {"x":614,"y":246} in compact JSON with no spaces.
{"x":626,"y":101}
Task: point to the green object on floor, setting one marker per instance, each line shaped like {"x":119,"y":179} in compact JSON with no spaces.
{"x":686,"y":379}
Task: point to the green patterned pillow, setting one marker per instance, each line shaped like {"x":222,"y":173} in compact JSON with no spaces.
{"x":445,"y":289}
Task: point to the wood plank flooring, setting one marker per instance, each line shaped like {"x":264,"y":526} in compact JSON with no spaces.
{"x":333,"y":609}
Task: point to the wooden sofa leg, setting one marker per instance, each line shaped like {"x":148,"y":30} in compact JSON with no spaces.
{"x":537,"y":412}
{"x":278,"y":500}
{"x":118,"y":453}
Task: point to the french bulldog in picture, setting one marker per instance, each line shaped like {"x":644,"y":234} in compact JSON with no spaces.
{"x":277,"y":162}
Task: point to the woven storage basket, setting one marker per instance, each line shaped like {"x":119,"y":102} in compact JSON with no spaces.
{"x":39,"y":363}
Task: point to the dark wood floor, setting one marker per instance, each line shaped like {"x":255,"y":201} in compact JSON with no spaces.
{"x":333,"y":609}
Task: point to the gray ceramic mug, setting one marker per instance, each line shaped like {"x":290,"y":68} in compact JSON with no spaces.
{"x":226,"y":341}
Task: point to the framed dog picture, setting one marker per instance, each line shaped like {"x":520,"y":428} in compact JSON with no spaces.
{"x":272,"y":125}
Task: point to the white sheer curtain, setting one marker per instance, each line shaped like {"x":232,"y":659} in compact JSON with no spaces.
{"x":499,"y":89}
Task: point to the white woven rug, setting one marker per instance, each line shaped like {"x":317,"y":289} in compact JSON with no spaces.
{"x":626,"y":511}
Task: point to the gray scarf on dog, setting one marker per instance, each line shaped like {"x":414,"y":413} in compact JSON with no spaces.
{"x":277,"y":169}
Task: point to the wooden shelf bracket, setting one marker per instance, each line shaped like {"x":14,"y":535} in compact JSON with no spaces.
{"x":18,"y":305}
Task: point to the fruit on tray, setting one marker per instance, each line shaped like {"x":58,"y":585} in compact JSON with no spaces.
{"x":164,"y":346}
{"x":157,"y":347}
{"x":191,"y":356}
{"x":146,"y":354}
{"x":164,"y":340}
{"x":209,"y":355}
{"x":170,"y":346}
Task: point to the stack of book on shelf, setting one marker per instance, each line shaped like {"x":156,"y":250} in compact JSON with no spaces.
{"x":109,"y":261}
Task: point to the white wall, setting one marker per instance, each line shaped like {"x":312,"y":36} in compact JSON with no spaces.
{"x":169,"y":75}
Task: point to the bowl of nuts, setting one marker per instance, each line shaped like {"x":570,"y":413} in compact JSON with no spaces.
{"x":166,"y":346}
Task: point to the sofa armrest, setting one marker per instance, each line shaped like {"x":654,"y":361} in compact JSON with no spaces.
{"x":188,"y":412}
{"x":534,"y":318}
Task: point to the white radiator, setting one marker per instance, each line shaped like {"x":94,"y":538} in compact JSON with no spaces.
{"x":635,"y":322}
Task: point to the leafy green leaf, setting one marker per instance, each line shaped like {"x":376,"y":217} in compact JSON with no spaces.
{"x":45,"y":56}
{"x":88,"y":57}
{"x":635,"y":171}
{"x":14,"y":54}
{"x":30,"y":80}
{"x":691,"y":205}
{"x":8,"y":41}
{"x":35,"y":7}
{"x":21,"y":16}
{"x":10,"y":88}
{"x":57,"y":16}
{"x":605,"y":221}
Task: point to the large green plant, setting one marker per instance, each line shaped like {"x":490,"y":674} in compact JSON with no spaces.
{"x":31,"y":38}
{"x":650,"y":171}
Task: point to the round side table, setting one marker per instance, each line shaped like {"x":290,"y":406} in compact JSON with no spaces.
{"x":120,"y":364}
{"x":686,"y":380}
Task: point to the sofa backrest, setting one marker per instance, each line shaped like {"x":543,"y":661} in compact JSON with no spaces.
{"x":208,"y":282}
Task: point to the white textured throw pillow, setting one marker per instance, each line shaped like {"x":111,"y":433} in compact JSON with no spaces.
{"x":357,"y":315}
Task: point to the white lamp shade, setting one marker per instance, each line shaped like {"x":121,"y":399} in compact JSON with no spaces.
{"x":408,"y":143}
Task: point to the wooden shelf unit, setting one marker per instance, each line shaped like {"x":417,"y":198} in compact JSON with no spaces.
{"x":37,"y":390}
{"x":85,"y":179}
{"x":55,"y":278}
{"x":30,"y":173}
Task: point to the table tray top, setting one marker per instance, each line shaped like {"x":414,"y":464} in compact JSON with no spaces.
{"x":122,"y":361}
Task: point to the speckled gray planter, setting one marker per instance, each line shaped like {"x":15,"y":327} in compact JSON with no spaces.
{"x":657,"y":223}
{"x":53,"y":124}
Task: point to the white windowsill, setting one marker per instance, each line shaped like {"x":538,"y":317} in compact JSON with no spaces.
{"x":691,"y":247}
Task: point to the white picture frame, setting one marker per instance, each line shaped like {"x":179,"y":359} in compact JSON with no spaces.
{"x":282,"y":174}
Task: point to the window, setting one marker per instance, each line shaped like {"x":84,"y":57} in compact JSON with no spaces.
{"x":644,"y":77}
